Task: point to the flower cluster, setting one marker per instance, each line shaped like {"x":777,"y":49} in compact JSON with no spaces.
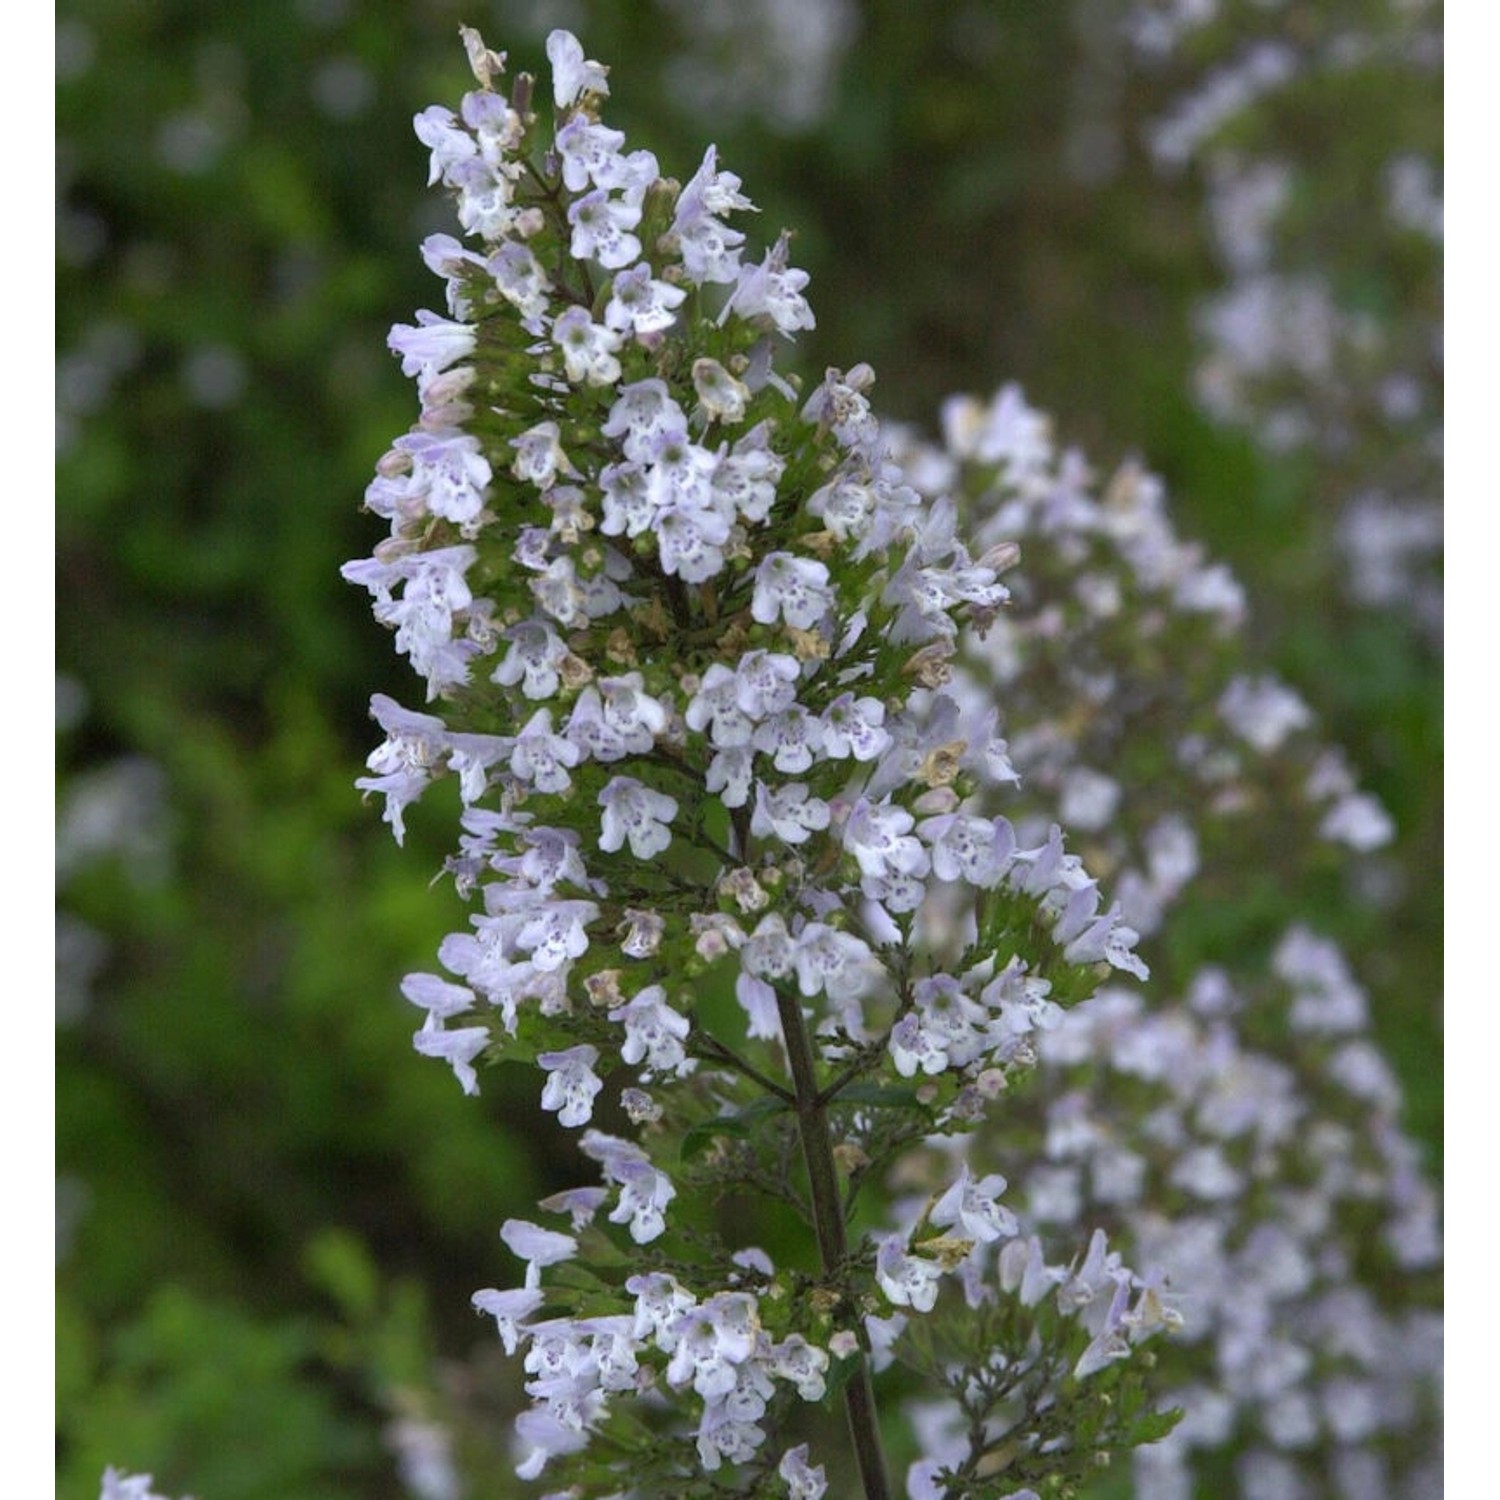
{"x":1325,"y":334}
{"x":1241,"y":1135}
{"x":689,"y":635}
{"x":1131,"y":716}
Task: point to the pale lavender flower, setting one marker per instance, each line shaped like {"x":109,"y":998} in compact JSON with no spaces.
{"x":794,"y":589}
{"x":730,"y":774}
{"x":711,"y":1340}
{"x":457,"y":1048}
{"x":572,"y":1084}
{"x":907,"y":1280}
{"x":602,"y":225}
{"x":450,"y":474}
{"x":654,"y":1033}
{"x":545,"y":1436}
{"x":588,"y":348}
{"x":538,"y":1247}
{"x":521,"y":280}
{"x":691,"y":535}
{"x":789,"y":812}
{"x":879,"y":837}
{"x":438,"y":129}
{"x":853,"y":727}
{"x":535,"y":655}
{"x":644,"y":412}
{"x":509,"y":1310}
{"x":1263,"y":712}
{"x":660,"y":1302}
{"x":640,"y":303}
{"x":641,"y":933}
{"x":710,"y":249}
{"x":944,"y":1028}
{"x":974,"y":1210}
{"x":772,"y":290}
{"x":644,"y":1191}
{"x":406,"y":763}
{"x":803,"y":1481}
{"x":635,"y":812}
{"x":432,"y":345}
{"x":803,"y":1364}
{"x":963,"y":847}
{"x":572,"y":74}
{"x":543,"y":758}
{"x":437,"y":997}
{"x":588,"y":150}
{"x":555,"y":932}
{"x":424,"y":1458}
{"x":581,"y":1204}
{"x":539,"y":455}
{"x":791,"y":739}
{"x":834,"y":963}
{"x":723,"y":397}
{"x":765,"y":683}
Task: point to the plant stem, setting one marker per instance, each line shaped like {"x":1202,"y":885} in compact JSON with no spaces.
{"x":828,"y":1221}
{"x":730,"y":1058}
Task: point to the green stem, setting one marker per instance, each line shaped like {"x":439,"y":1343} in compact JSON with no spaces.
{"x":716,"y":1049}
{"x":828,"y":1222}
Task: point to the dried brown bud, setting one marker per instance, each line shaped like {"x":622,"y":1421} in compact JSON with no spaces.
{"x":574,"y":671}
{"x":930,"y":665}
{"x":940,"y":766}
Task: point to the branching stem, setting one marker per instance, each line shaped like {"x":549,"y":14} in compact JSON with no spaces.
{"x":828,"y":1221}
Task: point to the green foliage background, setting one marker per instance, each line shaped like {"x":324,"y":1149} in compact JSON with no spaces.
{"x":272,"y":1213}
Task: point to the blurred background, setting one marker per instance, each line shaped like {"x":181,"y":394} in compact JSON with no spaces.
{"x":1205,"y":233}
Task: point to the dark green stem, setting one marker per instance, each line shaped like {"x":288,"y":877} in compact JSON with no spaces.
{"x":828,"y":1222}
{"x":716,"y":1049}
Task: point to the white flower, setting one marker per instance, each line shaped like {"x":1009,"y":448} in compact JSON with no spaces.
{"x":571,"y":1084}
{"x":852,"y":727}
{"x":654,"y":1032}
{"x":635,"y":812}
{"x":803,"y":1482}
{"x":906,"y":1280}
{"x":790,"y":812}
{"x":972,"y":1207}
{"x":644,"y":1191}
{"x":508,"y":1308}
{"x":538,"y":1247}
{"x":879,"y":837}
{"x":572,"y":75}
{"x":433,"y":345}
{"x":601,"y":231}
{"x":791,"y":588}
{"x":774,"y":290}
{"x":588,"y":348}
{"x":640,"y":303}
{"x":589,"y":151}
{"x":541,"y":757}
{"x":457,"y":1048}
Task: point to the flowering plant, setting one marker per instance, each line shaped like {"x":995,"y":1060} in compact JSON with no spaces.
{"x":687,"y":631}
{"x":1237,"y":1129}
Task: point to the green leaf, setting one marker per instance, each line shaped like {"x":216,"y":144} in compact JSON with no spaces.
{"x":881,"y":1096}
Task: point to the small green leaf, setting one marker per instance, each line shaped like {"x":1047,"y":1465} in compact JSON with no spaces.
{"x":880,"y":1096}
